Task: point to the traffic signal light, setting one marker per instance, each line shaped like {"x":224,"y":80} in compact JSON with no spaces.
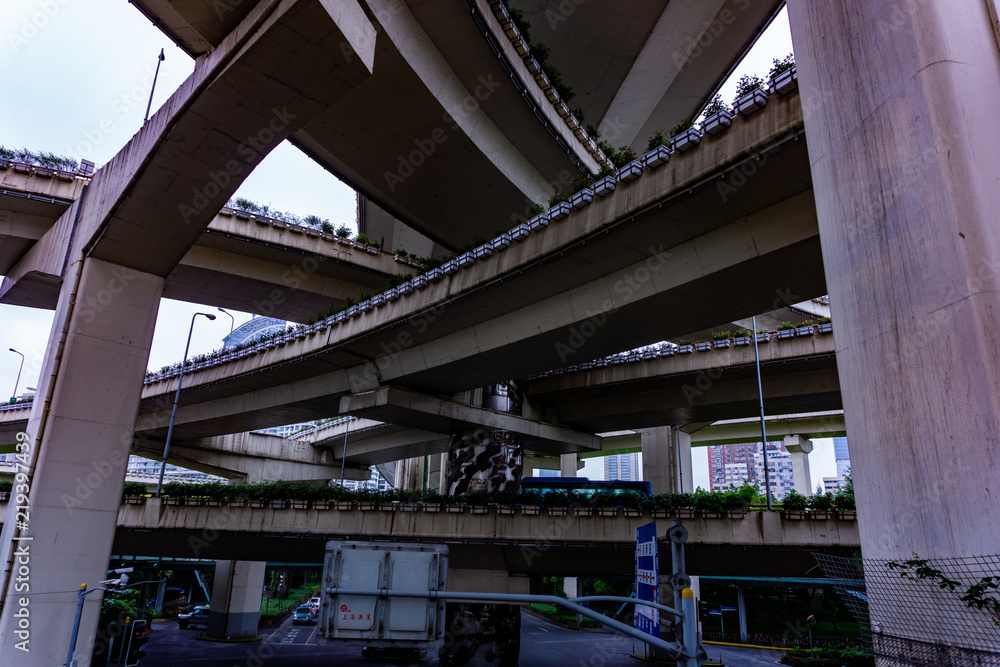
{"x":136,"y":639}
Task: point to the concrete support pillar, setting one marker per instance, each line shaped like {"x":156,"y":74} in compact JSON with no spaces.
{"x":410,"y":474}
{"x":78,"y":441}
{"x":741,"y":610}
{"x":568,"y":465}
{"x":161,"y":594}
{"x":901,"y":114}
{"x":443,"y":479}
{"x":800,"y":448}
{"x":434,"y":469}
{"x":571,"y":586}
{"x":237,"y":589}
{"x":666,"y":459}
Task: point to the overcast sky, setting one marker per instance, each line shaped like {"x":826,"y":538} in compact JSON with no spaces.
{"x":76,"y":77}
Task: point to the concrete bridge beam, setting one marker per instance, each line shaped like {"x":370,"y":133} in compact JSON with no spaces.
{"x":904,"y":155}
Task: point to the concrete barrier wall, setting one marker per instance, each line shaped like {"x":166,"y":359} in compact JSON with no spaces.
{"x":756,"y":529}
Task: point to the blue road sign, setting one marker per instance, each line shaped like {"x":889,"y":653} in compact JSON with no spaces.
{"x":647,"y":579}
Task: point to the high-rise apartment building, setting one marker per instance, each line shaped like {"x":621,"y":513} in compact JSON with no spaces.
{"x":624,"y":467}
{"x":729,"y":466}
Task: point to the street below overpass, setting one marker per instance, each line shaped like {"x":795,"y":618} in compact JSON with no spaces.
{"x":542,"y":645}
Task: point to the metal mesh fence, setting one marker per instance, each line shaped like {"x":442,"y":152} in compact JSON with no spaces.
{"x":917,"y":615}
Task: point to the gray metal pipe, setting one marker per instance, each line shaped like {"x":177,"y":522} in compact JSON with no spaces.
{"x":672,"y":648}
{"x":644,"y":603}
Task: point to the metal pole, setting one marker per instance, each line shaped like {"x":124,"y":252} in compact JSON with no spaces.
{"x":18,"y":380}
{"x":177,"y":398}
{"x":76,"y":625}
{"x":690,"y":633}
{"x":159,"y":60}
{"x":628,"y":600}
{"x":232,"y":325}
{"x":343,"y":459}
{"x":763,"y":431}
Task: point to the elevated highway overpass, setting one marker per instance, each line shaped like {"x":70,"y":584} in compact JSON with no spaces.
{"x":475,"y":89}
{"x":599,"y":397}
{"x":474,"y":119}
{"x":899,"y":177}
{"x":645,"y":66}
{"x":244,"y":261}
{"x":519,"y":310}
{"x":760,"y":544}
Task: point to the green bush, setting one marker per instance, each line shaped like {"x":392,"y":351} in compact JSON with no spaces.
{"x":821,"y":502}
{"x":707,"y":501}
{"x":6,"y":485}
{"x":734,"y":501}
{"x":176,"y":490}
{"x":605,"y":499}
{"x":828,"y":657}
{"x":558,"y":198}
{"x":715,"y":106}
{"x":632,"y":500}
{"x":794,"y":501}
{"x":130,"y":489}
{"x":682,"y":126}
{"x":659,"y":138}
{"x":748,"y":493}
{"x":844,"y":500}
{"x":782,"y":65}
{"x":721,"y":335}
{"x":529,"y":497}
{"x":747,"y":84}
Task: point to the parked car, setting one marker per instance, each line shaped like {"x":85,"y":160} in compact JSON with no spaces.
{"x":197,"y":615}
{"x":303,"y":614}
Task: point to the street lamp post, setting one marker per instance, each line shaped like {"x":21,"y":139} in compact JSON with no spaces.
{"x":232,"y":324}
{"x":149,"y":106}
{"x":763,"y":431}
{"x":177,"y":398}
{"x":18,"y":380}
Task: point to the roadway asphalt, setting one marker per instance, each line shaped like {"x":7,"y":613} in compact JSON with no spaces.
{"x":542,"y":645}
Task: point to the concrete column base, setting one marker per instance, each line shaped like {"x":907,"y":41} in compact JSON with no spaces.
{"x":236,"y":593}
{"x":88,"y":398}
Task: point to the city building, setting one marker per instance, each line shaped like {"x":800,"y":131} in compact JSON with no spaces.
{"x":254,"y":329}
{"x":141,"y":466}
{"x":842,"y":456}
{"x":376,"y":482}
{"x":834,"y":484}
{"x":624,"y":467}
{"x":729,"y":466}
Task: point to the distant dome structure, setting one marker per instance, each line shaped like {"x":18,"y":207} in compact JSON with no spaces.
{"x":254,"y":329}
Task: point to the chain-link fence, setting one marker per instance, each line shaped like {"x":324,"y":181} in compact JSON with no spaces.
{"x":923,"y":612}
